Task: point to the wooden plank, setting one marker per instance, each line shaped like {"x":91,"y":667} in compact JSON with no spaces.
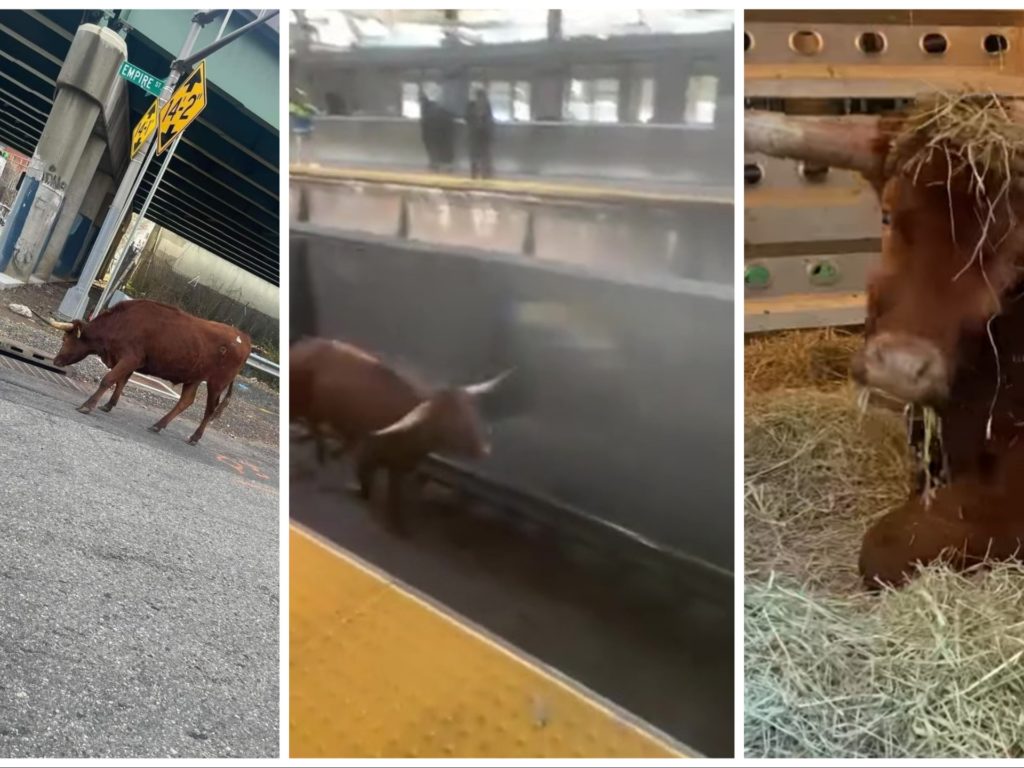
{"x":803,"y":311}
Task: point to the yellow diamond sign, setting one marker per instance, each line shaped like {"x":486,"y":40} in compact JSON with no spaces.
{"x":188,"y":101}
{"x":144,"y":128}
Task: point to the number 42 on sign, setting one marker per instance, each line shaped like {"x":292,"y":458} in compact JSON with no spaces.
{"x":188,"y":101}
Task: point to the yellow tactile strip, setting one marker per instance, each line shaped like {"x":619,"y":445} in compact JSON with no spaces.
{"x":534,"y":187}
{"x":378,"y":672}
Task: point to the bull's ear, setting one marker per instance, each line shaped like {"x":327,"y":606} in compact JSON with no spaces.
{"x":407,"y":422}
{"x":79,"y":325}
{"x":490,"y":385}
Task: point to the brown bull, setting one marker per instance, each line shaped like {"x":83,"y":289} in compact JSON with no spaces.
{"x":980,"y":513}
{"x":951,"y":253}
{"x":162,"y":341}
{"x":340,"y":390}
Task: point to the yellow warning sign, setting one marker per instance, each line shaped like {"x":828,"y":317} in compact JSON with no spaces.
{"x":188,"y":101}
{"x":144,"y":128}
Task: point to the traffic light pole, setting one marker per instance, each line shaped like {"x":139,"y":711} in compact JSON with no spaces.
{"x":76,"y":300}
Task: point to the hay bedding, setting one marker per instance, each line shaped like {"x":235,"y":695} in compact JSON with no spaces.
{"x":933,"y":670}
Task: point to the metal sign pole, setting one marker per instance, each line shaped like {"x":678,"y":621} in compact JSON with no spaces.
{"x":115,"y":273}
{"x":184,"y":63}
{"x":76,"y":300}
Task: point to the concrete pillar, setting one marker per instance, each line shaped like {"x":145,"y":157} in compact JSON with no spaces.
{"x":77,"y":188}
{"x":83,"y":85}
{"x":84,"y":228}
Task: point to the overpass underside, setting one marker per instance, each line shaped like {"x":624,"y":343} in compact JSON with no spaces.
{"x":73,"y":116}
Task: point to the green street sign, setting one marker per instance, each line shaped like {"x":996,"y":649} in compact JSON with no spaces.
{"x":141,"y":78}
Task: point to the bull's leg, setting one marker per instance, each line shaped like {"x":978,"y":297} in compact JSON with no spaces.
{"x":366,"y":468}
{"x":212,"y":399}
{"x":914,"y":535}
{"x":114,"y":376}
{"x":188,"y":395}
{"x":118,"y":388}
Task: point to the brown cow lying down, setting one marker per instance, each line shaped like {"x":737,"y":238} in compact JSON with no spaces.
{"x":981,"y":511}
{"x":951,"y":260}
{"x":163,"y":341}
{"x":339,"y":390}
{"x":968,"y":521}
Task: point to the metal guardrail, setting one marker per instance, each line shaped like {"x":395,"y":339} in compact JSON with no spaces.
{"x":264,"y":365}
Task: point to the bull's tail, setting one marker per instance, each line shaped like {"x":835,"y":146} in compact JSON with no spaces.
{"x":223,"y":401}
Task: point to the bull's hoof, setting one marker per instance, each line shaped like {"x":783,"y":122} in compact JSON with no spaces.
{"x":154,"y":429}
{"x":106,"y":408}
{"x":84,"y":409}
{"x":192,"y":441}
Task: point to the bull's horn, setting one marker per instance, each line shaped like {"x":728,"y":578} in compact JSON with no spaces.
{"x":490,"y":385}
{"x":840,"y":142}
{"x":61,"y":326}
{"x":411,"y":419}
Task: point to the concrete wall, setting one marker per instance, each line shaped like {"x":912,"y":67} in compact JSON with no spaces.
{"x":688,"y":240}
{"x":621,"y":403}
{"x":178,"y":272}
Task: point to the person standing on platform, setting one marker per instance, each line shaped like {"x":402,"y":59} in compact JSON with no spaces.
{"x":428,"y":130}
{"x":480,"y":127}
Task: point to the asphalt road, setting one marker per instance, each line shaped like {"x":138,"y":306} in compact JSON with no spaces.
{"x":138,"y":584}
{"x":670,"y":665}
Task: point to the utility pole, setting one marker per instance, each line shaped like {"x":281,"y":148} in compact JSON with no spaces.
{"x":76,"y":300}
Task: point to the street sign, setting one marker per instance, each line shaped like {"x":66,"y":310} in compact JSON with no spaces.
{"x":185,"y":105}
{"x":141,"y":78}
{"x":144,"y":128}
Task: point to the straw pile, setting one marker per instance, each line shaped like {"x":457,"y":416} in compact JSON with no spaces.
{"x":933,"y":670}
{"x":814,"y":358}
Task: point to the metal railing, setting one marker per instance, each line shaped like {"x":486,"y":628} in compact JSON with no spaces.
{"x":264,"y":365}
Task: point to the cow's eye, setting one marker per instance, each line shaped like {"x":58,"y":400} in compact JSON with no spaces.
{"x":886,"y":218}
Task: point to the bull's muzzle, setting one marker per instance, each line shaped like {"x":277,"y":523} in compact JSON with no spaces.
{"x":909,"y":368}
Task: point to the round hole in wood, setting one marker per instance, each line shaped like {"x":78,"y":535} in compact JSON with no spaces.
{"x":806,"y":42}
{"x":871,"y":43}
{"x":934,"y":43}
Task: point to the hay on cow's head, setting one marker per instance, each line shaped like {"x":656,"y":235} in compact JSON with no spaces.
{"x":817,"y":357}
{"x":817,"y":471}
{"x":978,"y":135}
{"x":933,"y":670}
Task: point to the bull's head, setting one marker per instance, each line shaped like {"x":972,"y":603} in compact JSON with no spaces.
{"x":75,"y":345}
{"x":946,"y":260}
{"x":448,"y":422}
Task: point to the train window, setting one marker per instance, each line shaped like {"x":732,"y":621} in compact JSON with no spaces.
{"x":595,"y":101}
{"x":411,"y":100}
{"x":701,"y":100}
{"x":499,"y":93}
{"x":521,"y":101}
{"x":606,"y":100}
{"x":645,"y":109}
